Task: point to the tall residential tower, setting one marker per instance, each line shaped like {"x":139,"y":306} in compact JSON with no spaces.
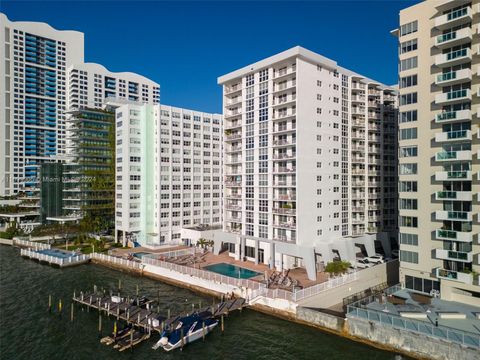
{"x":168,"y":172}
{"x":34,"y":88}
{"x":309,"y":161}
{"x":439,"y":68}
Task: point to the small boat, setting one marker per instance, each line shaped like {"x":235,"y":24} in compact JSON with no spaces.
{"x":120,"y":334}
{"x":192,"y":327}
{"x":131,"y":340}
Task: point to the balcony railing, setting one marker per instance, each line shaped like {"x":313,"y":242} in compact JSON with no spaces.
{"x":454,"y":275}
{"x":453,"y":116}
{"x":453,"y":155}
{"x":453,"y":135}
{"x":454,"y":235}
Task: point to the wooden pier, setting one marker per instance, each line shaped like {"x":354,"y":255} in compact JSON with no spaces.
{"x":145,"y":316}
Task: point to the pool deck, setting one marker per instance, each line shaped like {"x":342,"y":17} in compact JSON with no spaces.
{"x":433,"y":310}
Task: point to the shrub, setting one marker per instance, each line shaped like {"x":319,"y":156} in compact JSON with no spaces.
{"x":337,"y":267}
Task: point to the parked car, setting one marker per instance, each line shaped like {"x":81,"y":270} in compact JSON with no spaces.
{"x":376,"y":259}
{"x":362,"y":263}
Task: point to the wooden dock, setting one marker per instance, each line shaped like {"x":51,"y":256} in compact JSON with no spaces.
{"x":145,"y":316}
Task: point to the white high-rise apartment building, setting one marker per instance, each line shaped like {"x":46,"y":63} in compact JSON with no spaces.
{"x":309,"y":161}
{"x":439,"y":47}
{"x":34,"y":87}
{"x":168,"y":172}
{"x":92,"y":85}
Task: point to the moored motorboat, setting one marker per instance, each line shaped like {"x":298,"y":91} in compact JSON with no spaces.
{"x":187,"y":330}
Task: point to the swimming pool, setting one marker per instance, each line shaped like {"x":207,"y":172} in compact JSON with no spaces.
{"x":57,"y":253}
{"x":232,"y":270}
{"x":139,"y":255}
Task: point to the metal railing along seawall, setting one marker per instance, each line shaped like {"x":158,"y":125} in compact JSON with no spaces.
{"x":358,"y":310}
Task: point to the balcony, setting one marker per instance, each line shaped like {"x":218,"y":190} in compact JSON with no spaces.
{"x":284,"y":170}
{"x":284,"y":211}
{"x":454,"y":38}
{"x":453,"y":58}
{"x":443,"y":156}
{"x":233,"y":137}
{"x":454,"y":275}
{"x":231,"y":149}
{"x":460,"y":236}
{"x":453,"y":96}
{"x":453,"y":255}
{"x":233,"y":102}
{"x":465,"y":175}
{"x":453,"y":215}
{"x":284,"y":197}
{"x":233,"y":113}
{"x":284,"y":238}
{"x":451,"y":136}
{"x":454,"y":18}
{"x":233,"y":207}
{"x":233,"y":184}
{"x":451,"y":116}
{"x":284,"y":156}
{"x":453,"y":195}
{"x":232,"y":125}
{"x":284,"y":73}
{"x":357,"y":98}
{"x":285,"y":225}
{"x":233,"y":89}
{"x":284,"y":142}
{"x":454,"y":77}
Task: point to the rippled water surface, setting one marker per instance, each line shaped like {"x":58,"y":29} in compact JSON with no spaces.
{"x":29,"y":331}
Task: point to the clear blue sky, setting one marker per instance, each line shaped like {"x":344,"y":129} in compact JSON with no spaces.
{"x":185,"y":46}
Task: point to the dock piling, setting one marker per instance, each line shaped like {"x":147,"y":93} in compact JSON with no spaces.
{"x":119,"y":284}
{"x":60,"y":307}
{"x":168,"y":314}
{"x":99,"y":325}
{"x":203,"y":330}
{"x":71,"y":312}
{"x":49,"y":303}
{"x":222,"y":325}
{"x":131,"y":340}
{"x":181,"y":336}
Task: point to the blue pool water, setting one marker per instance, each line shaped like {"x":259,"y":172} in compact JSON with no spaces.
{"x":139,"y":255}
{"x":57,"y":253}
{"x":231,"y":270}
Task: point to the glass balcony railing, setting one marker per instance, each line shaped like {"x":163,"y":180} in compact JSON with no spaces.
{"x":458,"y":134}
{"x":447,"y":194}
{"x":446,"y":37}
{"x":452,"y":75}
{"x":456,"y":54}
{"x":461,"y":215}
{"x":450,"y":115}
{"x":446,"y":155}
{"x":458,"y":255}
{"x":456,"y":94}
{"x":457,"y":13}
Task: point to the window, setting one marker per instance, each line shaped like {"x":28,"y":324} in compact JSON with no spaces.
{"x":249,"y":80}
{"x":409,"y":28}
{"x":408,"y":221}
{"x":409,"y":63}
{"x":408,"y":151}
{"x":408,"y":204}
{"x":407,"y":46}
{"x":407,"y":99}
{"x":408,"y":239}
{"x":408,"y":169}
{"x":408,"y":133}
{"x":408,"y":81}
{"x":408,"y":116}
{"x":407,"y":186}
{"x":409,"y":256}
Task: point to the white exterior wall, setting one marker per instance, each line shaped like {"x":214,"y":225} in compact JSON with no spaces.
{"x":69,"y":48}
{"x":180,"y":172}
{"x":308,"y":102}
